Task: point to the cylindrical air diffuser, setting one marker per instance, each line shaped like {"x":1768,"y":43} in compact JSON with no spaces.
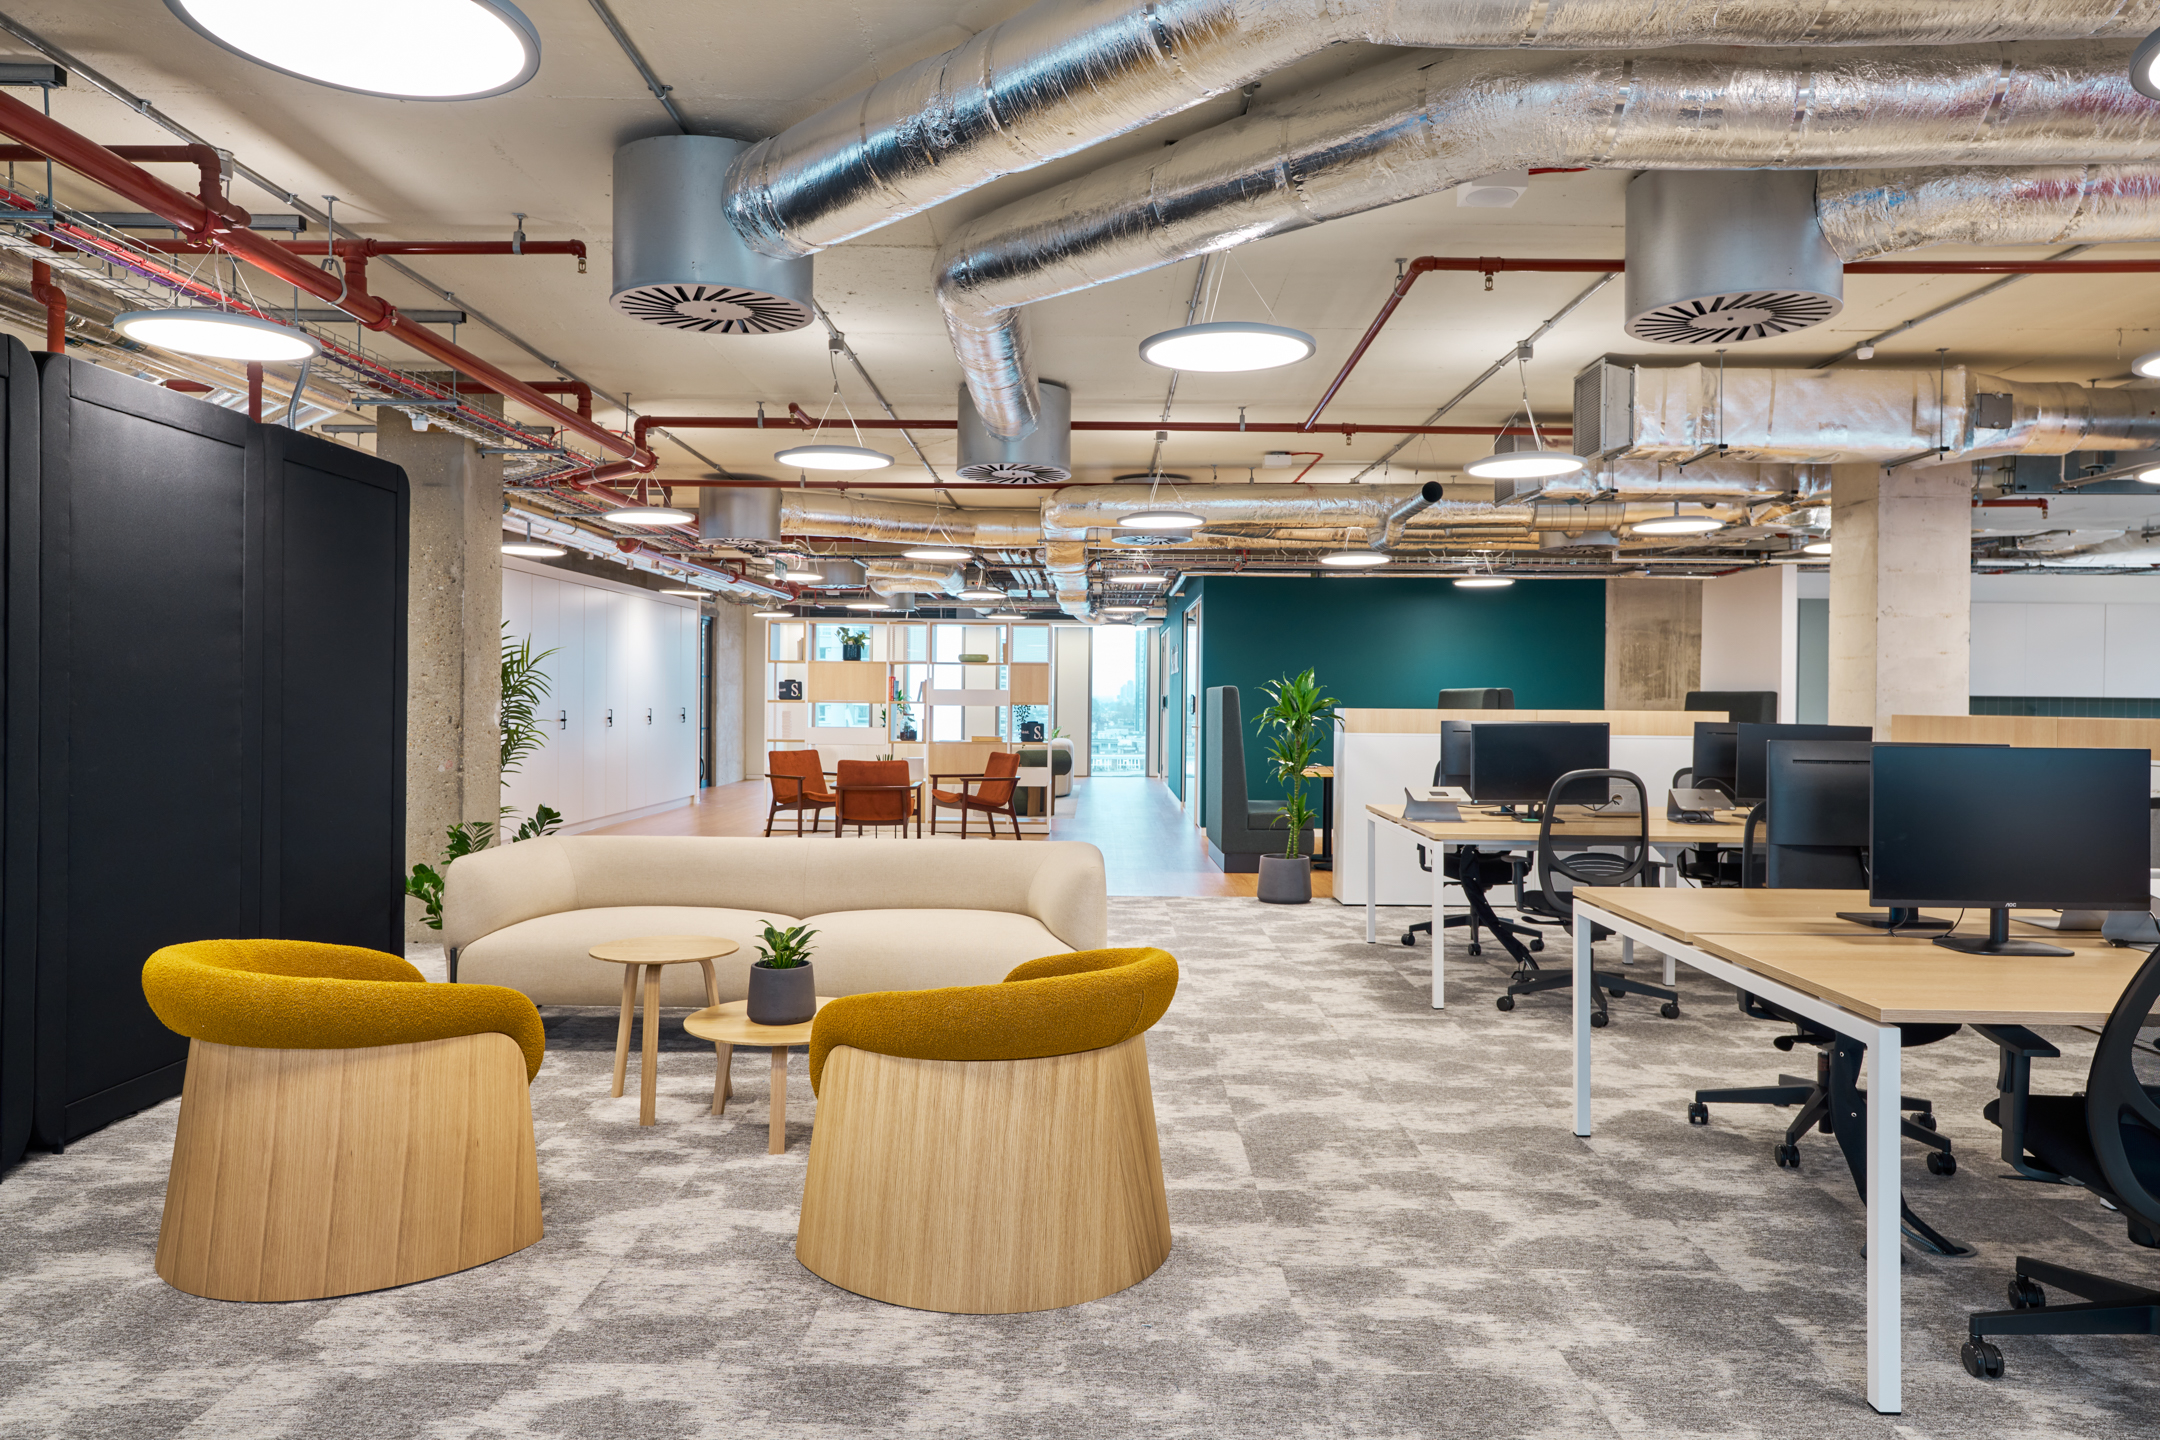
{"x":726,"y":513}
{"x":1043,"y":454}
{"x":1715,"y":257}
{"x":678,"y":262}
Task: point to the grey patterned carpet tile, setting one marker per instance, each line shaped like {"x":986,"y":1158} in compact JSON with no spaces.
{"x":1384,"y":1230}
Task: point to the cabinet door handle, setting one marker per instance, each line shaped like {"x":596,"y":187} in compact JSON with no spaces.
{"x":648,"y":715}
{"x":682,"y":715}
{"x":562,"y":719}
{"x":611,"y":719}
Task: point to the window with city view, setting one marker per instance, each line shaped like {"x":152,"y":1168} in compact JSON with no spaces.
{"x":1118,"y":722}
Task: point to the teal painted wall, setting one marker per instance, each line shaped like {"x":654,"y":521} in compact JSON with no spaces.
{"x":1381,"y":643}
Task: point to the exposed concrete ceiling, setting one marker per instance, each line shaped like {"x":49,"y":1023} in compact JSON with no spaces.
{"x":418,"y":170}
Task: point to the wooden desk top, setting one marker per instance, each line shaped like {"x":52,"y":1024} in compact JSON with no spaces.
{"x":1794,"y":936}
{"x":1904,"y":980}
{"x":1481,"y":826}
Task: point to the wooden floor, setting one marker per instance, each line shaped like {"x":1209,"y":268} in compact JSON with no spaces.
{"x":1149,"y":847}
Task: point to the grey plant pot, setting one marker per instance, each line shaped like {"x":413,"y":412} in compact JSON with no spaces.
{"x":782,"y":997}
{"x":1284,"y":881}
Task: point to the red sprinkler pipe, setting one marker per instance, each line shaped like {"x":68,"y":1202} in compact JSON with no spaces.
{"x":198,"y":220}
{"x":1194,"y":427}
{"x":1491,"y":265}
{"x":210,"y":165}
{"x":254,"y":379}
{"x":47,"y":292}
{"x":579,"y":388}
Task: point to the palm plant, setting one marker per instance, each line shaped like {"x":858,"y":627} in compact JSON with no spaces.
{"x":524,"y":686}
{"x":1293,"y":715}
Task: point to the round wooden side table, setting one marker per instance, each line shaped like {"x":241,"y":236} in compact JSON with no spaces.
{"x":728,"y":1026}
{"x":654,"y":952}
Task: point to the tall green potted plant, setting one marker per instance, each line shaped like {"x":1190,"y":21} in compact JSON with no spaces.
{"x":1291,"y":722}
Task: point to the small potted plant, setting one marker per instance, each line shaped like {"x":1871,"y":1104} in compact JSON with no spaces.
{"x":852,"y":642}
{"x":782,"y":989}
{"x":1294,"y":714}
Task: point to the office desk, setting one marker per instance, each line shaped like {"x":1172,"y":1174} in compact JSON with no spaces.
{"x":1788,"y":947}
{"x":1489,"y":831}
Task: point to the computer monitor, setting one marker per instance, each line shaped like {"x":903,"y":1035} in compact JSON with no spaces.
{"x":1455,"y":744}
{"x":1748,"y":750}
{"x":1517,"y":764}
{"x":1716,"y":749}
{"x":1816,"y":820}
{"x":2037,"y":828}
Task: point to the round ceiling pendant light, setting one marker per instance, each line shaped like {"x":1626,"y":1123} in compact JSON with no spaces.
{"x":868,"y":605}
{"x":768,"y":613}
{"x":2147,"y":366}
{"x":833,"y":457}
{"x":1164,"y":518}
{"x":1816,"y":547}
{"x":643,"y":512}
{"x":531,"y":549}
{"x":938,"y":552}
{"x":1136,"y":579}
{"x":1355,"y":559}
{"x":1227,"y":345}
{"x":220,"y":334}
{"x":1677,"y":524}
{"x":406,"y":50}
{"x":2145,"y":67}
{"x":1484,"y":582}
{"x":2149,"y":477}
{"x":686,"y":590}
{"x":1521,"y":457}
{"x":981,"y":592}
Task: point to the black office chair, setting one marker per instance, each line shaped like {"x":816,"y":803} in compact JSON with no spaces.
{"x":1477,"y":871}
{"x":1587,"y":867}
{"x":1834,"y":1091}
{"x":2107,"y":1139}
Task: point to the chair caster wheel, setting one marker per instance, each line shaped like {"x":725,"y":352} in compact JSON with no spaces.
{"x":1409,"y":940}
{"x":1505,"y":1002}
{"x":1670,"y":1010}
{"x":1787,"y":1156}
{"x":1599,"y":1020}
{"x":1982,"y":1360}
{"x":1616,"y":994}
{"x":2024,"y":1295}
{"x":1536,"y":944}
{"x":1476,"y":950}
{"x":1941,"y":1163}
{"x":1925,"y":1119}
{"x":1698,"y":1113}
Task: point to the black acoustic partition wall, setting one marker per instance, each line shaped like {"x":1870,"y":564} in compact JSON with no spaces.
{"x":333,"y":693}
{"x":18,"y":931}
{"x":219,"y":712}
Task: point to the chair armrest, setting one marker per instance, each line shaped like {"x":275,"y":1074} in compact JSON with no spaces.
{"x":797,"y":779}
{"x":2018,"y":1047}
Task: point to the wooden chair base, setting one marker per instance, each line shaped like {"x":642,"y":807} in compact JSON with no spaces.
{"x":985,"y":1187}
{"x":302,"y":1174}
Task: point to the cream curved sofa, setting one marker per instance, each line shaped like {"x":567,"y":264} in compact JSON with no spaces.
{"x":890,"y":914}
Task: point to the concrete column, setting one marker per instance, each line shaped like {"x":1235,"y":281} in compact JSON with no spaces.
{"x":731,"y":628}
{"x":1900,"y":593}
{"x":1653,"y":643}
{"x":453,"y":698}
{"x":1751,"y":634}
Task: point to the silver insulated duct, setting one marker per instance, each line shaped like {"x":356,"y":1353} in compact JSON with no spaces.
{"x":1716,"y":257}
{"x":1044,"y":454}
{"x":1060,"y":76}
{"x":678,"y":262}
{"x":1879,"y":212}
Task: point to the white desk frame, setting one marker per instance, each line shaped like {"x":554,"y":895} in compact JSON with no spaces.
{"x":1885,"y":1242}
{"x":1664,"y":852}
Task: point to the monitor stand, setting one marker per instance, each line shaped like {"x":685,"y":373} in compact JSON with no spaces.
{"x":1897,"y":917}
{"x":1997,"y":941}
{"x":1528,"y":814}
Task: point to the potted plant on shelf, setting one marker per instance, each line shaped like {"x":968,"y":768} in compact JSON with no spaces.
{"x":852,"y":642}
{"x":782,"y":990}
{"x":1293,"y":716}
